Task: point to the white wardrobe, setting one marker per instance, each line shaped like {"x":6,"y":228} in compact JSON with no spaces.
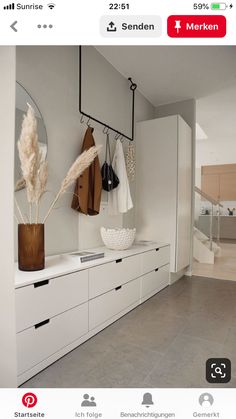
{"x":164,"y":185}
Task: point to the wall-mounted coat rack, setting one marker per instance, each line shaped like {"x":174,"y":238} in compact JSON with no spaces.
{"x":106,"y":127}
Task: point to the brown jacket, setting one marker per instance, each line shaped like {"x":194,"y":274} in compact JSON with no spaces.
{"x":88,"y":188}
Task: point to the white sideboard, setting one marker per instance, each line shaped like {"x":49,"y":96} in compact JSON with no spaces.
{"x":68,"y":302}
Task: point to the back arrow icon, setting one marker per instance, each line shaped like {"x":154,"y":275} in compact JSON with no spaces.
{"x":13,"y":26}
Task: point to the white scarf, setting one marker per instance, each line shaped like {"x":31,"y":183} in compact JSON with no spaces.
{"x":119,"y":199}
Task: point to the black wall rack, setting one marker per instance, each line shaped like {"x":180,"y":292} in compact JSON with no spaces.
{"x":106,"y":127}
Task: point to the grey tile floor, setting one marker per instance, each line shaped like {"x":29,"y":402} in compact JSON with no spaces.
{"x":165,"y":342}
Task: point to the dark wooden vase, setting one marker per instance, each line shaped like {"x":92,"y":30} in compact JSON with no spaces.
{"x":31,"y":254}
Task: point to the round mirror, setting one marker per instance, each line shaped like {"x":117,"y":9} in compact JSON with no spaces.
{"x":22,"y":98}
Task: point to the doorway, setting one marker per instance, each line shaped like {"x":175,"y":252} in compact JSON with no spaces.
{"x":215,"y":186}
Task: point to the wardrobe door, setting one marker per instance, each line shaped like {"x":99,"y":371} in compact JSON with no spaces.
{"x":184,"y":197}
{"x":156,"y":145}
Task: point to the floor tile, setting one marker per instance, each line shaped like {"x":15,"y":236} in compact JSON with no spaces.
{"x":208,"y":327}
{"x":183,"y":365}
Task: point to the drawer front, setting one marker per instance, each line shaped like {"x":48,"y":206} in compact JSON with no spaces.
{"x":37,"y":344}
{"x":44,"y":300}
{"x":106,"y":277}
{"x":155,"y":281}
{"x":155,"y":259}
{"x":113,"y":302}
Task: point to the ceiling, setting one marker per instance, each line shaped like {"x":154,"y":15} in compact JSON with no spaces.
{"x":171,"y":74}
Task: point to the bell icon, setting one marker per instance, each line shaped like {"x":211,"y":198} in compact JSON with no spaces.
{"x":147,"y":399}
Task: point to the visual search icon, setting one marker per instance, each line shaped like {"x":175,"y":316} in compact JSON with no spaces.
{"x":206,"y":400}
{"x":88,"y":401}
{"x":147,"y":400}
{"x":218,"y":370}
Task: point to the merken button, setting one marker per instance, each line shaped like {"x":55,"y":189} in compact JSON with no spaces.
{"x":196,"y":26}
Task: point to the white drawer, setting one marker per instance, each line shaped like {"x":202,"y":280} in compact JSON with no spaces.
{"x":113,"y":302}
{"x":155,"y":259}
{"x":155,"y":281}
{"x":46,"y":299}
{"x":37,"y":344}
{"x":106,"y":277}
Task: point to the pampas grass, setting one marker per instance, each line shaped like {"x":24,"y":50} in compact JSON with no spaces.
{"x":19,"y":210}
{"x":29,"y":154}
{"x":35,"y":170}
{"x":76,"y":170}
{"x":20,"y":184}
{"x":41,"y":183}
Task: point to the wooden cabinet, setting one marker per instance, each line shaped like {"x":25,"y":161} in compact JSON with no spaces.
{"x":55,"y":314}
{"x":228,"y":187}
{"x":219,"y":181}
{"x":211,"y":185}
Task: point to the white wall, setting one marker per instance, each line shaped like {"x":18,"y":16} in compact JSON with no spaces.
{"x":216,"y":115}
{"x":7,"y":303}
{"x":51,"y":76}
{"x":119,"y":116}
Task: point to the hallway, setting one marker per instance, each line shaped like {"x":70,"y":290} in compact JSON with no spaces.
{"x":224,"y":267}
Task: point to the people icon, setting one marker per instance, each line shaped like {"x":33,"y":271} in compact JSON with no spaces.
{"x":206,"y":400}
{"x":92,"y":401}
{"x":88,"y":401}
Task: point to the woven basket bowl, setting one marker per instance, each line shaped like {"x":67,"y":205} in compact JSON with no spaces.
{"x":118,"y":239}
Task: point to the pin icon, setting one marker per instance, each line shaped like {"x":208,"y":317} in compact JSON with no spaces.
{"x":177,"y":25}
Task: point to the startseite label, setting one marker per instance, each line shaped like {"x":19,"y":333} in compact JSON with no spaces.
{"x":29,"y":415}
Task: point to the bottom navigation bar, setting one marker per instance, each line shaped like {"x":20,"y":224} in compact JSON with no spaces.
{"x":117,"y":403}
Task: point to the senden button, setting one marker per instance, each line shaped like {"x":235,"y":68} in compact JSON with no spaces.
{"x":196,"y":26}
{"x":130,"y":26}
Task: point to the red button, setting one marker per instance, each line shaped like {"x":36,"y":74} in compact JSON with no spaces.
{"x":196,"y":26}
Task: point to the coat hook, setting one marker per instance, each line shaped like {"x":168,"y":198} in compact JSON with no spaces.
{"x":82,"y":119}
{"x":117,"y":136}
{"x":88,"y":122}
{"x":105,"y":130}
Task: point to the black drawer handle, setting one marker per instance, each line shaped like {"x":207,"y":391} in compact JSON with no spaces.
{"x":41,"y":284}
{"x":118,"y":260}
{"x":157,"y":269}
{"x":118,"y":288}
{"x":42,"y":324}
{"x":157,"y":249}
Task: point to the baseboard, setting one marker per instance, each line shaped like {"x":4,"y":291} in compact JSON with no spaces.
{"x":175,"y":276}
{"x":189,"y":272}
